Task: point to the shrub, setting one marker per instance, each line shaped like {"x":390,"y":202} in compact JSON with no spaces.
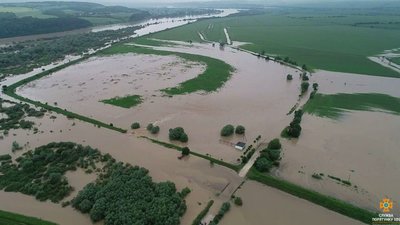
{"x":305,"y":77}
{"x":315,"y":86}
{"x":240,"y":129}
{"x":149,"y":126}
{"x":135,"y":125}
{"x":289,"y":77}
{"x":238,"y":201}
{"x":227,"y":130}
{"x":274,"y":144}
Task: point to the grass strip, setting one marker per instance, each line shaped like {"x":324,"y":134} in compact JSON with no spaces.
{"x":213,"y":78}
{"x":325,"y":201}
{"x":203,"y":213}
{"x":334,"y":106}
{"x":125,"y":102}
{"x":209,"y":158}
{"x":11,"y":91}
{"x":10,"y":218}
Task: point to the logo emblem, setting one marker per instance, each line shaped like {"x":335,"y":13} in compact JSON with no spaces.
{"x":386,"y":205}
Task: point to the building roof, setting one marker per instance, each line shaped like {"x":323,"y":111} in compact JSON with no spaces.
{"x":240,"y":144}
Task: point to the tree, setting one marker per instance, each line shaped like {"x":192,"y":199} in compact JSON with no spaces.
{"x":315,"y":86}
{"x":155,"y":130}
{"x":185,"y":151}
{"x":304,"y":87}
{"x":274,"y":155}
{"x":149,"y":126}
{"x":240,"y":129}
{"x":263,"y":164}
{"x":85,"y":206}
{"x":238,"y":201}
{"x":289,"y":77}
{"x":135,"y":125}
{"x":184,"y":138}
{"x":227,"y":130}
{"x":304,"y":67}
{"x":274,"y":144}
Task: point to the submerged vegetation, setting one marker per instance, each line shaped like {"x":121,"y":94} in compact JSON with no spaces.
{"x":41,"y":172}
{"x":334,"y":106}
{"x":213,"y":78}
{"x":125,"y":102}
{"x":127,"y":195}
{"x":294,"y":129}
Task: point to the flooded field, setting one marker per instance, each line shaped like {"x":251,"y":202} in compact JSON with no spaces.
{"x":257,"y":96}
{"x":262,"y":204}
{"x":257,"y":93}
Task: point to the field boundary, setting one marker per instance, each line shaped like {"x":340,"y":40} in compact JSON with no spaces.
{"x":317,"y":198}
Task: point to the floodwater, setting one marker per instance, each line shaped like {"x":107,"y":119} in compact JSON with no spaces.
{"x":265,"y":205}
{"x":150,"y":26}
{"x":257,"y":96}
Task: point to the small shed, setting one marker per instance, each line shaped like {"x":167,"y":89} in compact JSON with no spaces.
{"x":240,"y":145}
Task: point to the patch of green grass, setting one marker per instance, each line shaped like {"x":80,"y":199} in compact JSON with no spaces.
{"x":325,"y":201}
{"x":125,"y":102}
{"x":10,"y":91}
{"x":9,"y":218}
{"x":209,"y":158}
{"x":334,"y":106}
{"x":320,"y":39}
{"x":213,"y":78}
{"x":152,"y":42}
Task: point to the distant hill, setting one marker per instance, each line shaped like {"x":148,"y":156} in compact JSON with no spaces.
{"x":19,"y":19}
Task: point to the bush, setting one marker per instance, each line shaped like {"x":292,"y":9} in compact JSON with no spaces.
{"x":238,"y":201}
{"x":135,"y":125}
{"x":274,"y":144}
{"x":227,"y":130}
{"x":240,"y":129}
{"x":289,"y":77}
{"x":149,"y":126}
{"x":315,"y":86}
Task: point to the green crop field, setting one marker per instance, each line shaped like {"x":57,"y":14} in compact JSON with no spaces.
{"x":333,"y":40}
{"x":333,"y":106}
{"x":124,"y":102}
{"x":8,"y":218}
{"x":25,"y":11}
{"x":213,"y":78}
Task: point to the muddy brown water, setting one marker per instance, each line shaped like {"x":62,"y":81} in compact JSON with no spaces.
{"x":257,"y":96}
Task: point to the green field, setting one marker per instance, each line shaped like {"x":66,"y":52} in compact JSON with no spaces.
{"x":332,"y":40}
{"x":213,"y":78}
{"x":8,"y":218}
{"x":25,"y":11}
{"x":125,"y":102}
{"x":395,"y":60}
{"x":334,"y":106}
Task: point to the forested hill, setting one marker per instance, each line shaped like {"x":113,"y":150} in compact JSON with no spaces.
{"x":19,"y":19}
